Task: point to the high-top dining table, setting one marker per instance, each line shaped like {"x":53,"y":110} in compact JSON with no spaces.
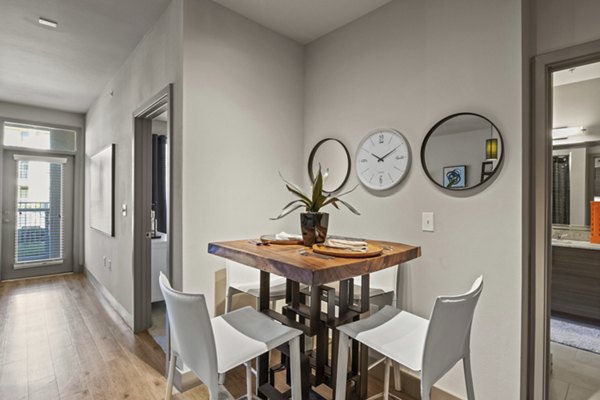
{"x":303,"y":309}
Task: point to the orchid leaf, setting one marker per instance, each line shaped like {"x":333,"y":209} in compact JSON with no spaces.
{"x":347,"y":192}
{"x":296,"y":187}
{"x":287,"y":211}
{"x":300,"y":195}
{"x":349,"y":207}
{"x":317,"y":188}
{"x":293,"y":202}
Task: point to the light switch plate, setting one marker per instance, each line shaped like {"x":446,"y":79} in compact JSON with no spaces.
{"x":427,"y":222}
{"x":124,"y":210}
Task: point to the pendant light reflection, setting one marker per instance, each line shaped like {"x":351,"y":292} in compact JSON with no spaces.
{"x":491,"y":146}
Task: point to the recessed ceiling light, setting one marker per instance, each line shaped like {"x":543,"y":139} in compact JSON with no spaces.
{"x":47,"y":22}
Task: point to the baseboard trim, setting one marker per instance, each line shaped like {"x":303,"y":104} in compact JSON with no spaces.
{"x":185,"y":379}
{"x":123,"y":313}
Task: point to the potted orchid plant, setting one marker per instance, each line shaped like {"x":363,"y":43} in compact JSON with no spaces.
{"x":313,"y":222}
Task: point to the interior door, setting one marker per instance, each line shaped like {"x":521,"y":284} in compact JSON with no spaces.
{"x":37,"y":217}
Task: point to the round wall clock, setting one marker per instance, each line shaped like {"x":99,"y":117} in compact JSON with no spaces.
{"x":383,"y":159}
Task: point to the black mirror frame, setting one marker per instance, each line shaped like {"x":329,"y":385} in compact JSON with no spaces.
{"x":437,"y":125}
{"x":311,"y":158}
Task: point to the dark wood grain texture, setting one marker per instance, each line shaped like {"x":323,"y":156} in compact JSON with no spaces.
{"x":576,"y":282}
{"x":287,"y":262}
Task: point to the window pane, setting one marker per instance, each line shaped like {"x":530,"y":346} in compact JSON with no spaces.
{"x":39,"y":226}
{"x":38,"y":137}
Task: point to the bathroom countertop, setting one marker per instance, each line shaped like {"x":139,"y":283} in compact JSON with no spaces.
{"x":577,"y":244}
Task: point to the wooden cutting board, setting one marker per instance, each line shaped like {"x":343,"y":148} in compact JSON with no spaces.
{"x":372,"y":251}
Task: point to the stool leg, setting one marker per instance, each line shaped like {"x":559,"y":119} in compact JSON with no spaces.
{"x":397,"y":377}
{"x":296,"y":369}
{"x":170,"y":377}
{"x":249,"y":392}
{"x":228,"y":299}
{"x":468,"y":378}
{"x":342,"y":367}
{"x":386,"y":379}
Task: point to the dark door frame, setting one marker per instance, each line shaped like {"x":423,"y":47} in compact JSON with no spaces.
{"x":142,"y":202}
{"x":540,"y":251}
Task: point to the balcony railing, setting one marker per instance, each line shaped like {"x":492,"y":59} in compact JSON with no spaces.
{"x":38,"y":234}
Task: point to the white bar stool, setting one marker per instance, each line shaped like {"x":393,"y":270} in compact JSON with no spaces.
{"x":210,"y":347}
{"x":431,"y":347}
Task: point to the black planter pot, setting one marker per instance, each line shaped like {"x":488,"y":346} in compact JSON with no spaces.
{"x":314,"y":227}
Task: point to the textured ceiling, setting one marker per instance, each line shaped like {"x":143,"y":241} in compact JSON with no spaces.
{"x":303,"y":20}
{"x":66,"y":68}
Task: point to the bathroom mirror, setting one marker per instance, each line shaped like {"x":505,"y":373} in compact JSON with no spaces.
{"x":333,"y":157}
{"x":462,"y":151}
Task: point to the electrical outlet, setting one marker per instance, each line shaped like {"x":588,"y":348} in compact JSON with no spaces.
{"x":427,"y":222}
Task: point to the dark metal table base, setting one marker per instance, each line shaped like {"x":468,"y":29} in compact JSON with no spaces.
{"x":304,"y":312}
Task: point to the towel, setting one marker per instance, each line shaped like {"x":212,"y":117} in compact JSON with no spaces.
{"x":359,"y":246}
{"x":287,"y":236}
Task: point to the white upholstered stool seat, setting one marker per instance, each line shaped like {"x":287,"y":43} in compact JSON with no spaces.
{"x":244,"y":334}
{"x":396,"y":334}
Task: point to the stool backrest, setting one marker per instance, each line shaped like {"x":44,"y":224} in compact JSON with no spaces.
{"x":192,"y":337}
{"x":449,"y":332}
{"x":241,"y":274}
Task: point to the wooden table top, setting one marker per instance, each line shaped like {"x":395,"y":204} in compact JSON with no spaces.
{"x":286,"y":261}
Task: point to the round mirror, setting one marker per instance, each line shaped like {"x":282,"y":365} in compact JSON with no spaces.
{"x":334,"y":159}
{"x":462,"y":151}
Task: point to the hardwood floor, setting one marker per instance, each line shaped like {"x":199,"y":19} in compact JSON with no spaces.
{"x":61,"y":340}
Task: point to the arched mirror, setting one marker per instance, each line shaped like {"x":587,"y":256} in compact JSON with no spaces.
{"x":333,"y":157}
{"x":462,"y":151}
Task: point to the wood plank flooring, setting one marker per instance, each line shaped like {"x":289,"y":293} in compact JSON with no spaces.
{"x":61,"y":340}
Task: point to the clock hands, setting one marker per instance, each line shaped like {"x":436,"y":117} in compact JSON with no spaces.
{"x":384,"y":157}
{"x":378,"y":158}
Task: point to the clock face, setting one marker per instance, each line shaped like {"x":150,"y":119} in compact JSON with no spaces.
{"x":382,"y":159}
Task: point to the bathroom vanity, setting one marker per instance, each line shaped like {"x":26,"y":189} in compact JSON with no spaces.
{"x":576,"y":279}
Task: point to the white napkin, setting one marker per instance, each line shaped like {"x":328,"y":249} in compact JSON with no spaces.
{"x":287,"y":236}
{"x":352,"y":245}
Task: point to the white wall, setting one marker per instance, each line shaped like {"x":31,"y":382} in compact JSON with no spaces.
{"x":564,"y":23}
{"x":41,"y":115}
{"x":406,"y":66}
{"x":243,"y":111}
{"x":155,"y":63}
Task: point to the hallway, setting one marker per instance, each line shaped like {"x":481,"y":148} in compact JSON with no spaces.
{"x":60,"y":340}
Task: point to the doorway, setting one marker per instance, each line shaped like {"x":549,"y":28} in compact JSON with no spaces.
{"x":37,"y":199}
{"x":152,"y":212}
{"x":563,"y":288}
{"x":574,"y":267}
